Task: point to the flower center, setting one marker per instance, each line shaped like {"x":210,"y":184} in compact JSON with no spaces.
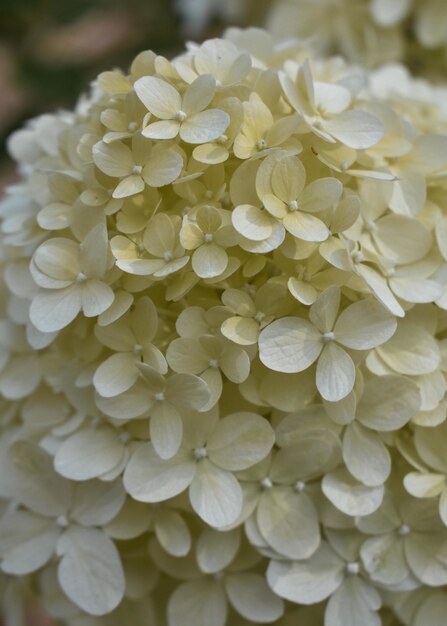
{"x":266,"y":483}
{"x":328,"y":337}
{"x":137,"y":169}
{"x":357,"y":256}
{"x":300,"y":486}
{"x":404,"y":530}
{"x":353,"y":568}
{"x":81,"y":277}
{"x":62,"y":521}
{"x":180,"y":116}
{"x":293,"y":205}
{"x":132,"y":127}
{"x":137,"y":349}
{"x":259,"y":316}
{"x":124,"y":438}
{"x":261,"y":144}
{"x":168,"y":256}
{"x":200,"y":453}
{"x":214,"y":363}
{"x":208,"y":237}
{"x":159,"y":396}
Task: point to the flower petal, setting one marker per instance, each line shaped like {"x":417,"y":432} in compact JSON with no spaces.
{"x":350,"y":496}
{"x":205,"y":126}
{"x":364,"y":325}
{"x":88,"y":454}
{"x":335,"y":373}
{"x":240,"y":440}
{"x":251,"y":597}
{"x":215,"y":495}
{"x":251,"y":222}
{"x":290,"y":344}
{"x":309,"y":581}
{"x":90,"y":571}
{"x":157,"y":95}
{"x":288,"y":522}
{"x":355,"y":129}
{"x":148,"y":478}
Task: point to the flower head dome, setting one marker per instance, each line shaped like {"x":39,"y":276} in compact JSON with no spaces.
{"x":223,"y":346}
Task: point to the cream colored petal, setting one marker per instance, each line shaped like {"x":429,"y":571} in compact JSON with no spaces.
{"x":166,"y":430}
{"x":88,"y":454}
{"x":199,"y":94}
{"x":388,"y":402}
{"x":129,"y":186}
{"x":426,"y":556}
{"x":290,"y":344}
{"x":251,"y":222}
{"x":163,"y":168}
{"x":355,"y":129}
{"x":323,"y":312}
{"x":424,"y":485}
{"x":34,"y":481}
{"x":172,"y":532}
{"x":20,"y":377}
{"x":288,"y":178}
{"x":90,"y":571}
{"x":235,"y":364}
{"x":113,"y":159}
{"x":240,"y":440}
{"x":135,"y":402}
{"x":365,"y":455}
{"x":209,"y":260}
{"x":350,"y":496}
{"x":187,"y":391}
{"x":364,"y":325}
{"x":354,"y":602}
{"x":199,"y":602}
{"x":53,"y":310}
{"x":96,"y":297}
{"x":164,"y":129}
{"x":412,"y":351}
{"x":210,"y":153}
{"x":216,"y":549}
{"x":205,"y":126}
{"x":309,"y":581}
{"x":58,"y":258}
{"x":402,"y":238}
{"x":215,"y":495}
{"x":384,"y":559}
{"x":288,"y":521}
{"x":157,"y":95}
{"x":27,"y":542}
{"x":320,"y":194}
{"x":379,"y":287}
{"x":306,"y":227}
{"x":335,"y":373}
{"x":251,"y":598}
{"x":242,"y":330}
{"x":148,"y":478}
{"x":93,"y":252}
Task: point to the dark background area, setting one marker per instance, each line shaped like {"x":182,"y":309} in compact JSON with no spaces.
{"x":51,"y":49}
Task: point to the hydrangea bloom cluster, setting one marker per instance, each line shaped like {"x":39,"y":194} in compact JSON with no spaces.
{"x":224,"y":347}
{"x":373,"y":31}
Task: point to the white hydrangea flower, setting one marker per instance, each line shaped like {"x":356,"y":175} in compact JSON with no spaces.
{"x":207,"y":403}
{"x":204,"y":464}
{"x":72,"y":277}
{"x":293,"y":344}
{"x":61,"y":520}
{"x":185,"y":115}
